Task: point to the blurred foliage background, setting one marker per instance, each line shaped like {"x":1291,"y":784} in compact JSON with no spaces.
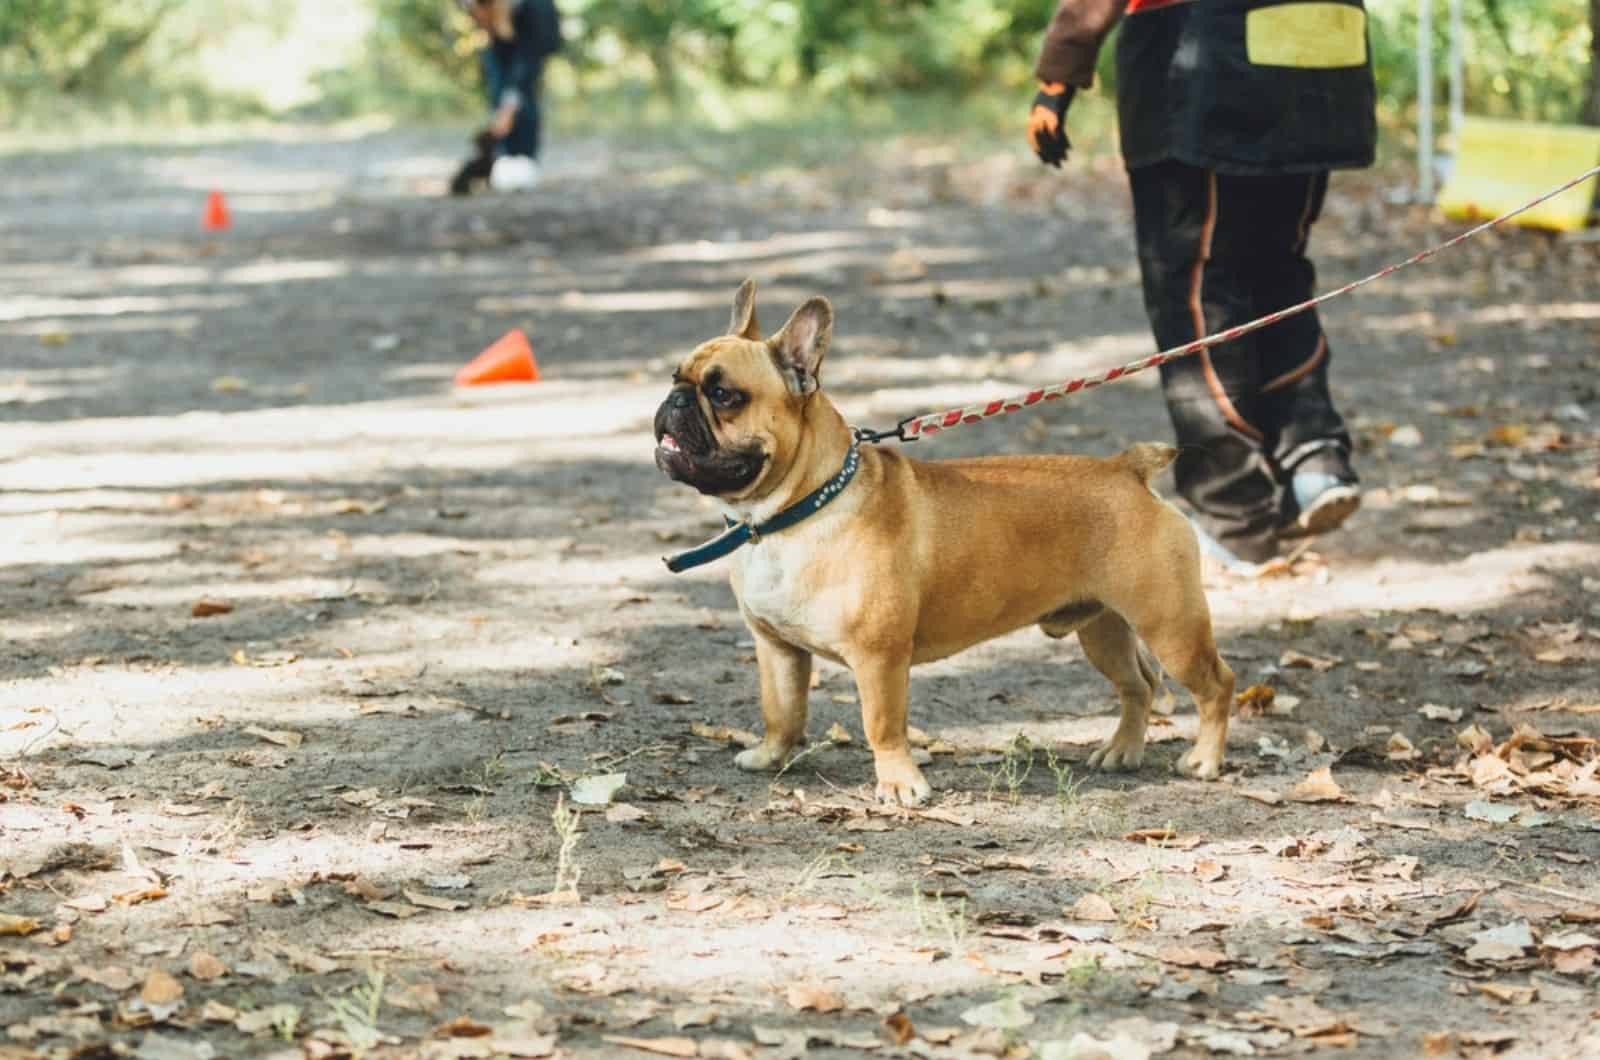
{"x":72,"y":63}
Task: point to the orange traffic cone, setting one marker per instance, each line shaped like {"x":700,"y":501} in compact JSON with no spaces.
{"x":509,"y":359}
{"x":216,"y":216}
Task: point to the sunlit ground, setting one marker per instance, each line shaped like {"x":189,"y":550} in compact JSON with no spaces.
{"x":442,"y":607}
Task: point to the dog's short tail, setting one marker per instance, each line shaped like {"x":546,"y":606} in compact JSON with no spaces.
{"x":1146,"y":459}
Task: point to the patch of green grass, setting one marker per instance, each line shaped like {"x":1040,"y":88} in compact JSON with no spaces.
{"x":1068,"y":788}
{"x":939,"y":919}
{"x":816,"y":869}
{"x":566,"y":822}
{"x":357,"y":1012}
{"x":1013,"y":769}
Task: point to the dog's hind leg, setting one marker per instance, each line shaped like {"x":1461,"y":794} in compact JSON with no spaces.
{"x":1186,"y":647}
{"x":1113,"y":648}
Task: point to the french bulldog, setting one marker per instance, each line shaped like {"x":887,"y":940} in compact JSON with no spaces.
{"x":473,"y":176}
{"x":908,"y":561}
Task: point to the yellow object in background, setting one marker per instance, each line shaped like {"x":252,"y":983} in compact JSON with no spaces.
{"x":1311,"y":36}
{"x":1501,"y":164}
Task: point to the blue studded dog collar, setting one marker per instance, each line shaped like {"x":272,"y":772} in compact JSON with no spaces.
{"x":739,"y":534}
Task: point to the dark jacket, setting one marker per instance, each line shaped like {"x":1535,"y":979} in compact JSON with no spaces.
{"x":1239,"y":86}
{"x":536,"y":35}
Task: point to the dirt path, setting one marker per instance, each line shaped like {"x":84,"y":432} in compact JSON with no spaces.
{"x":331,"y":818}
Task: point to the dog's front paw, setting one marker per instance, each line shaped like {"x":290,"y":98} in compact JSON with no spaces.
{"x":762,"y":757}
{"x":900,"y":782}
{"x":1118,"y":755}
{"x":1200,"y":764}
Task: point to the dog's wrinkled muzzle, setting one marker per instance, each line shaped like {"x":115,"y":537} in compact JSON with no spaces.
{"x":687,"y":451}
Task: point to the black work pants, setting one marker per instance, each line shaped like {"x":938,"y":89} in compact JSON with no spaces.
{"x":1216,"y":250}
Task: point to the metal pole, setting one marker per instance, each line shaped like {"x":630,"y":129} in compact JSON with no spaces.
{"x":1425,"y":101}
{"x":1457,"y":88}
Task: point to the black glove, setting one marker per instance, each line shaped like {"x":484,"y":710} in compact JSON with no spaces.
{"x":1047,"y":129}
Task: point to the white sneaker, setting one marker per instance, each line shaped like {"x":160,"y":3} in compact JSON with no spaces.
{"x":514,"y":173}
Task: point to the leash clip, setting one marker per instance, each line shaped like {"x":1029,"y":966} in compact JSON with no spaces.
{"x":867,"y":434}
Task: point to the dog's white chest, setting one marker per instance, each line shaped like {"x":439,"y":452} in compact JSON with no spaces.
{"x":772,"y":593}
{"x":767,"y":587}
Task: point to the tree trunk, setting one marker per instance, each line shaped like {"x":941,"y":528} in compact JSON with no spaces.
{"x":1591,"y":110}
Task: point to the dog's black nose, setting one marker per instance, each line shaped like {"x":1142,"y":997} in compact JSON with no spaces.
{"x":680,"y":398}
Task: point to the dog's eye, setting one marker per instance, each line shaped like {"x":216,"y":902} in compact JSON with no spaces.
{"x":721,"y":395}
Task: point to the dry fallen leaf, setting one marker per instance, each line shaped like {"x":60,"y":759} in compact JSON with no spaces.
{"x":462,"y":1027}
{"x":160,"y":988}
{"x":1092,"y":907}
{"x":1255,"y":699}
{"x":266,"y":1018}
{"x":837,"y":734}
{"x":309,"y":960}
{"x":1006,"y":1014}
{"x":1265,"y":795}
{"x":1475,"y":739}
{"x":17,"y":925}
{"x":724,"y":734}
{"x":1193,"y":957}
{"x":694,"y":903}
{"x":1510,"y":995}
{"x":1301,"y":1017}
{"x":138,"y":897}
{"x":1318,"y":786}
{"x":1150,"y":835}
{"x":1401,"y":749}
{"x":898,"y":1028}
{"x":415,"y":997}
{"x":659,"y":1046}
{"x":205,"y":607}
{"x":525,"y":1046}
{"x":1503,"y":943}
{"x":625,"y":813}
{"x":429,"y":901}
{"x":814,"y":998}
{"x":281,"y":737}
{"x":206,"y":916}
{"x":214,"y":1011}
{"x":204,"y":967}
{"x":1292,"y":659}
{"x":112,"y":977}
{"x":598,"y":790}
{"x":945,"y":816}
{"x":1435,"y":712}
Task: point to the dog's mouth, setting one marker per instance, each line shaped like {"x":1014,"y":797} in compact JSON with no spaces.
{"x":687,"y":451}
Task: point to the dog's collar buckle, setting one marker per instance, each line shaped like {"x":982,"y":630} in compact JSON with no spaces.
{"x":743,"y":533}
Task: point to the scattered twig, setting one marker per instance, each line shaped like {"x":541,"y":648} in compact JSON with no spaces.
{"x":801,"y":757}
{"x":1553,"y":891}
{"x":55,"y":726}
{"x":608,"y":763}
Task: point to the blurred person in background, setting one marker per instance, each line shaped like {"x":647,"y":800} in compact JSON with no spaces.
{"x":1231,"y":114}
{"x":521,"y":36}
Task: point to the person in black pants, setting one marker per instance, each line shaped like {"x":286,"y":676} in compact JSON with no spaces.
{"x":521,"y":37}
{"x":1232,"y":113}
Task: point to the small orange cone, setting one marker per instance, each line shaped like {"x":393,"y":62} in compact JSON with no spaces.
{"x":216,"y":216}
{"x":509,"y":359}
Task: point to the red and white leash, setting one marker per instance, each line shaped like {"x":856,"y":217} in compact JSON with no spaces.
{"x":913,"y":427}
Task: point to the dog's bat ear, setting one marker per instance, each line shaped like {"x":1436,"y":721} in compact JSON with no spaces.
{"x":800,"y":346}
{"x":743,"y":322}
